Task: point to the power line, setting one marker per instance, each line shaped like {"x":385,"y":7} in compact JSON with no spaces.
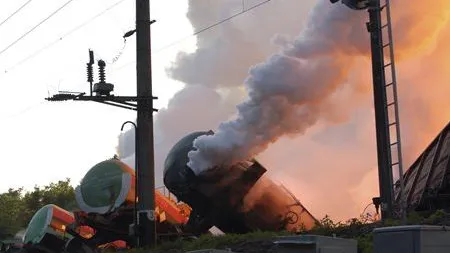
{"x":231,"y":17}
{"x":14,"y":13}
{"x":215,"y":24}
{"x":51,"y":44}
{"x":244,"y":10}
{"x":36,"y":26}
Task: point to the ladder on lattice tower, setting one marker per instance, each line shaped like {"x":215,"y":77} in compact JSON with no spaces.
{"x":391,"y":102}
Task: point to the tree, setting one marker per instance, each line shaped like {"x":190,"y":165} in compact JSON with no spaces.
{"x":61,"y":194}
{"x":17,"y":208}
{"x":11,"y":205}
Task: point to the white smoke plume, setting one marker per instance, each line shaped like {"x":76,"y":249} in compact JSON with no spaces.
{"x":174,"y":122}
{"x":213,"y":77}
{"x":226,"y":52}
{"x":286,"y":93}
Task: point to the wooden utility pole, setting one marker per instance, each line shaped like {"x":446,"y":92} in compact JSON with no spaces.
{"x":144,"y":135}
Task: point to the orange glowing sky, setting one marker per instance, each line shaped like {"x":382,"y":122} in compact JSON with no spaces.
{"x":332,"y":169}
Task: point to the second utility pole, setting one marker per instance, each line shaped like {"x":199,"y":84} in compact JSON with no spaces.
{"x":144,"y":134}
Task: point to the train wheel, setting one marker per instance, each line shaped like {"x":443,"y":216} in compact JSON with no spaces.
{"x":291,"y":217}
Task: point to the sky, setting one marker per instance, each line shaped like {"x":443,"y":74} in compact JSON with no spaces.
{"x":44,"y":141}
{"x":330,"y":166}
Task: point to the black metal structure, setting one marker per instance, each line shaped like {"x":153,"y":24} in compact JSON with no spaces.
{"x":235,"y":199}
{"x":386,"y":108}
{"x":381,"y":114}
{"x":136,"y":166}
{"x":102,"y":91}
{"x":126,"y":102}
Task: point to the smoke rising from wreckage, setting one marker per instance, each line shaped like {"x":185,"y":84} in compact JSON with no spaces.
{"x":322,"y":51}
{"x":236,"y":199}
{"x":344,"y":133}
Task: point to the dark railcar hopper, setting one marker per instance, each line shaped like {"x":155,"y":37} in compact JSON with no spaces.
{"x":427,"y":181}
{"x":236,"y":199}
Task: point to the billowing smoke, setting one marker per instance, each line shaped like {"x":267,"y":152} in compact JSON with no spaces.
{"x":175,"y":121}
{"x":213,"y":77}
{"x":331,"y":168}
{"x":287,"y":93}
{"x":226,"y":52}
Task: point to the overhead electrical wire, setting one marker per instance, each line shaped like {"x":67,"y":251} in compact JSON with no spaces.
{"x":36,"y":26}
{"x":231,"y":17}
{"x":15,"y":12}
{"x":215,"y":24}
{"x":51,"y":44}
{"x":244,"y":10}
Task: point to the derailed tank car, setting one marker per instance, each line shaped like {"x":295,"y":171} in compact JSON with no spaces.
{"x":106,"y":197}
{"x":46,"y":230}
{"x":235,"y":199}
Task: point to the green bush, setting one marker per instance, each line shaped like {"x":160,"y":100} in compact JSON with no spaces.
{"x":353,"y":228}
{"x":214,"y":242}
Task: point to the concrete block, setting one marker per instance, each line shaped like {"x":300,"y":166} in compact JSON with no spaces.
{"x":415,"y":239}
{"x":315,"y":244}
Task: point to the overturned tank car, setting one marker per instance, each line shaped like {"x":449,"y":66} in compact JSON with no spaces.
{"x":235,"y":199}
{"x":46,"y":231}
{"x":106,"y":197}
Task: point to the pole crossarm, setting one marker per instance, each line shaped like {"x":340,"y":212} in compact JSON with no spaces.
{"x":126,"y":102}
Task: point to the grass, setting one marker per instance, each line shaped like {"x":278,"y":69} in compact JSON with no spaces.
{"x":213,"y":242}
{"x":354,"y":229}
{"x":226,"y":241}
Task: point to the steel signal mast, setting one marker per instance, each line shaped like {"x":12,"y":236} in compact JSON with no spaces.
{"x":386,"y":103}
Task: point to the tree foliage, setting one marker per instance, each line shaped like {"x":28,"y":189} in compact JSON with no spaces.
{"x":10,"y":212}
{"x":18,"y":207}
